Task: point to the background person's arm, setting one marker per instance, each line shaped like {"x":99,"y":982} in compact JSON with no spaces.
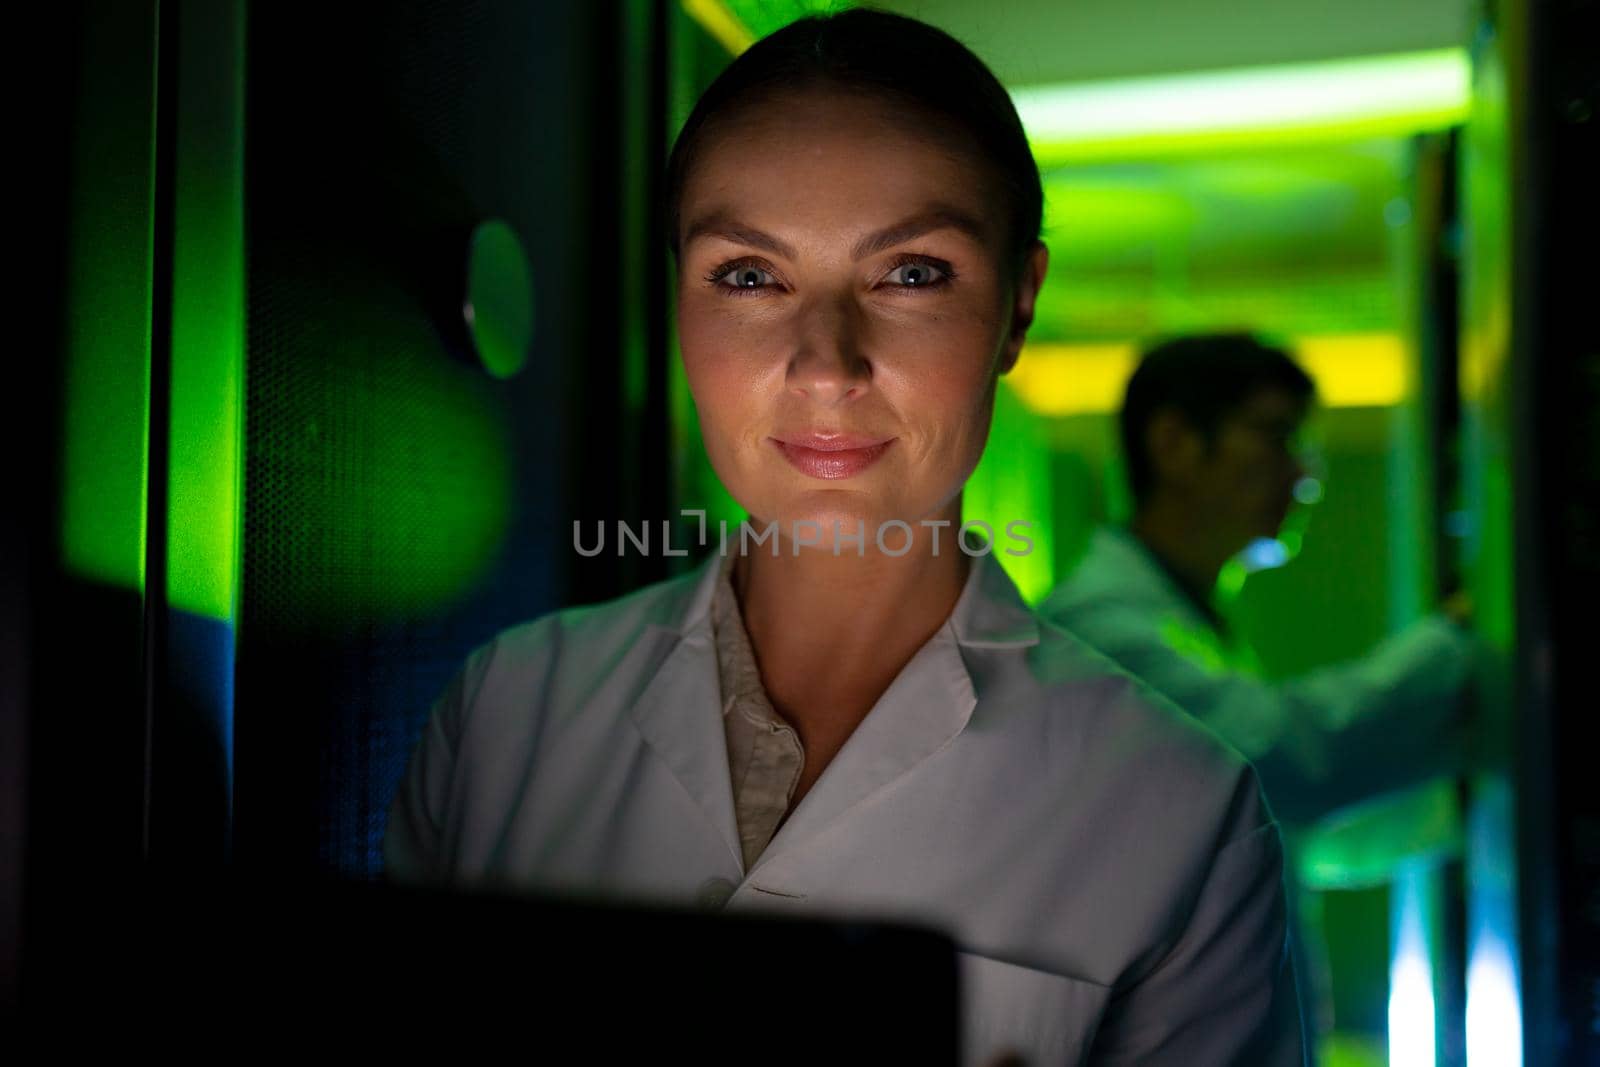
{"x":1332,"y":737}
{"x":1389,"y":719}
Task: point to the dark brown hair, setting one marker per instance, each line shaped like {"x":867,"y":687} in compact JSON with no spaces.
{"x":1204,"y":377}
{"x":911,"y":63}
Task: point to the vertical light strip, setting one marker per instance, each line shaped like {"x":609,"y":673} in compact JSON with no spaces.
{"x":1494,"y":1015}
{"x":1412,"y":1038}
{"x":194,"y":756}
{"x":1489,"y":420}
{"x":1494,"y":1006}
{"x":207,"y":316}
{"x":105,"y":444}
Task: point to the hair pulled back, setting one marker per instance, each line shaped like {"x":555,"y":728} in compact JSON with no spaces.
{"x":900,"y":59}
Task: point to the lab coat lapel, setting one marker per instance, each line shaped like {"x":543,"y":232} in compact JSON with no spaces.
{"x":923,"y":708}
{"x":922,"y":711}
{"x":680,"y":710}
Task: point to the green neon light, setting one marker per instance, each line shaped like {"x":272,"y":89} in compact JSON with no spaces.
{"x":1396,"y":93}
{"x":109,"y":264}
{"x":1301,"y":241}
{"x":207,"y":319}
{"x":737,"y":24}
{"x":1012,"y":482}
{"x":721,"y":23}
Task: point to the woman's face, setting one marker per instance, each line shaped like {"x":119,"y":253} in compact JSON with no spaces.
{"x":843,"y":313}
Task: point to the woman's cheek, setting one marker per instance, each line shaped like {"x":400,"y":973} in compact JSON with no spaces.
{"x":713,"y":372}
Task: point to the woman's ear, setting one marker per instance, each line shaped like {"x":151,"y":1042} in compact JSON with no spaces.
{"x":1023,"y":303}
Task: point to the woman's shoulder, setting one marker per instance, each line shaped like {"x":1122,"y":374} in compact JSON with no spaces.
{"x":593,"y":631}
{"x":660,"y":603}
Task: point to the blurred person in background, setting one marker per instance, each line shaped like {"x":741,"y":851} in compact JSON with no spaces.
{"x":1210,"y":429}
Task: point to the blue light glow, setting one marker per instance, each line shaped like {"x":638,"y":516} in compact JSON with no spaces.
{"x":1308,"y":490}
{"x":1264,"y":553}
{"x":1494,"y":1015}
{"x":1494,"y":1006}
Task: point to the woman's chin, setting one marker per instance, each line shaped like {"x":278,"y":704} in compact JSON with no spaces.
{"x":839,"y":526}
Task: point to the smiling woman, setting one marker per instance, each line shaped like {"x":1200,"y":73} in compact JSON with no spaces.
{"x":873,"y":314}
{"x":849,"y":724}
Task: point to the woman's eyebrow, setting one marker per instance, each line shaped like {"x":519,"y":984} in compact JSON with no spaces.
{"x":937,"y":217}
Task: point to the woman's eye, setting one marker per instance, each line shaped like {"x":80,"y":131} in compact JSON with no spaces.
{"x":747,"y":279}
{"x":743,"y":277}
{"x":917,"y":275}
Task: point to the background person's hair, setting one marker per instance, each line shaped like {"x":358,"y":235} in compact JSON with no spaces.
{"x":1203,"y":377}
{"x":909,"y":62}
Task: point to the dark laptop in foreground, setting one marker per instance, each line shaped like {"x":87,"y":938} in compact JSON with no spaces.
{"x":315,"y":967}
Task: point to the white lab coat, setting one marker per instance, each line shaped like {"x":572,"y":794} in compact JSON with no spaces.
{"x":1321,"y":741}
{"x":1107,"y":867}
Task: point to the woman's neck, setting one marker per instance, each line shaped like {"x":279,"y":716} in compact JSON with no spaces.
{"x":831,"y":632}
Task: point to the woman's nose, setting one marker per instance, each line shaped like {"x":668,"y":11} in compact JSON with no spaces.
{"x":829,"y":376}
{"x":829,"y":365}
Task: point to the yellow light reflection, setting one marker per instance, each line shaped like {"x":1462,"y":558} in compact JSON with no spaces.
{"x":722,"y":24}
{"x":1351,"y":370}
{"x":1355,"y":370}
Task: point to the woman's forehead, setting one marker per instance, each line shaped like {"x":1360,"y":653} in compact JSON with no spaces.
{"x":834,"y":163}
{"x":805,"y":121}
{"x":725,"y":223}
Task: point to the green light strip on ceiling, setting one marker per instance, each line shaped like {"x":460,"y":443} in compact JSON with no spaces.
{"x":1149,"y":115}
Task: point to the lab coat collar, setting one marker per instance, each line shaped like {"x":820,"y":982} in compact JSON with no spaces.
{"x":925,"y":707}
{"x":989,"y":613}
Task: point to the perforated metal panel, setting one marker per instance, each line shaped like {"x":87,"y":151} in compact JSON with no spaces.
{"x":401,"y":505}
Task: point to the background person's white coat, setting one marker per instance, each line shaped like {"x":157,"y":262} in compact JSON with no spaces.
{"x":1107,"y":866}
{"x":1334,"y":736}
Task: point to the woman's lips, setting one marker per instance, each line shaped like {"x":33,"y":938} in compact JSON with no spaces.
{"x":831,"y":455}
